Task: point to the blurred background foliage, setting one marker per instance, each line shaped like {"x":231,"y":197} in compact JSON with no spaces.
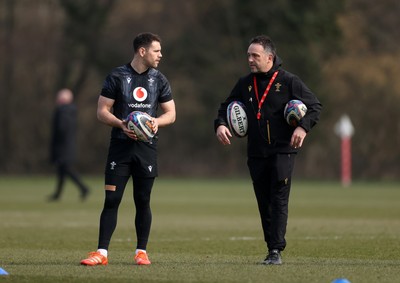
{"x":345,"y":51}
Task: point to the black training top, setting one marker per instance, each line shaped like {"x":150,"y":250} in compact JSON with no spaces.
{"x":135,"y":92}
{"x":271,"y":133}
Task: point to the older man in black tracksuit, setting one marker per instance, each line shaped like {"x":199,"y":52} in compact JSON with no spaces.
{"x":272,"y":142}
{"x":63,"y":144}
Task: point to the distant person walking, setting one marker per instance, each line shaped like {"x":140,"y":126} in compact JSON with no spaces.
{"x":272,"y":143}
{"x":63,"y":143}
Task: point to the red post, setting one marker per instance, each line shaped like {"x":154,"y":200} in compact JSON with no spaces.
{"x":345,"y":130}
{"x":346,"y":161}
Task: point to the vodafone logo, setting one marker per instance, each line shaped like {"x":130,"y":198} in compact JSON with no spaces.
{"x":140,"y":94}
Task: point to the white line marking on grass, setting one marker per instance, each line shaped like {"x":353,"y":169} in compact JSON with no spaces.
{"x":243,"y":238}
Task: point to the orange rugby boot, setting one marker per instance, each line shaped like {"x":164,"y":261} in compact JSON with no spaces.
{"x":141,"y":258}
{"x":95,"y":258}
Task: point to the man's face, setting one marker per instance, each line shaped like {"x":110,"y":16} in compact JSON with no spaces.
{"x":259,"y":60}
{"x":152,"y":55}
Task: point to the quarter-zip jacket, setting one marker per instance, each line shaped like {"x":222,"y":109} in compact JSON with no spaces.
{"x":271,"y":133}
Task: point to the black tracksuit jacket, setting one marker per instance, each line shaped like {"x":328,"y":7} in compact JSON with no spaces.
{"x":64,"y":134}
{"x":271,"y":134}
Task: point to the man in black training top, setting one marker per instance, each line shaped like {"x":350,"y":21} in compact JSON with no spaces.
{"x":136,"y":86}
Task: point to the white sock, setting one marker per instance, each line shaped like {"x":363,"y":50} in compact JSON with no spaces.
{"x":139,"y":250}
{"x":103,"y":252}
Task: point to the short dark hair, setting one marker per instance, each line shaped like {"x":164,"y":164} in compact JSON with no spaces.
{"x":265,"y":42}
{"x":144,"y":40}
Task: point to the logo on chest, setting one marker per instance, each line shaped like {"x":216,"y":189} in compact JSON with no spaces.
{"x":278,"y":87}
{"x":140,"y":94}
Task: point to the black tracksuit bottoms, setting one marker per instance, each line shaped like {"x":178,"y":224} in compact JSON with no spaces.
{"x":271,"y":178}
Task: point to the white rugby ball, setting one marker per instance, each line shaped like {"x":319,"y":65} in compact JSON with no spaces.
{"x":237,"y":118}
{"x":140,"y":123}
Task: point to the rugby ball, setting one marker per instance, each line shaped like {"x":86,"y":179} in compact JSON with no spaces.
{"x":140,"y":123}
{"x":294,"y":111}
{"x":237,"y":118}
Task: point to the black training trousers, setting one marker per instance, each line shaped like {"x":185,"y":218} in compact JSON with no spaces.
{"x":271,"y":178}
{"x":65,"y":170}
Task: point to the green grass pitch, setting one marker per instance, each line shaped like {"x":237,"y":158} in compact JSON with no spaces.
{"x":203,"y":231}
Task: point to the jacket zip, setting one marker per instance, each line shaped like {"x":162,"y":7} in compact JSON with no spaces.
{"x":268,"y":133}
